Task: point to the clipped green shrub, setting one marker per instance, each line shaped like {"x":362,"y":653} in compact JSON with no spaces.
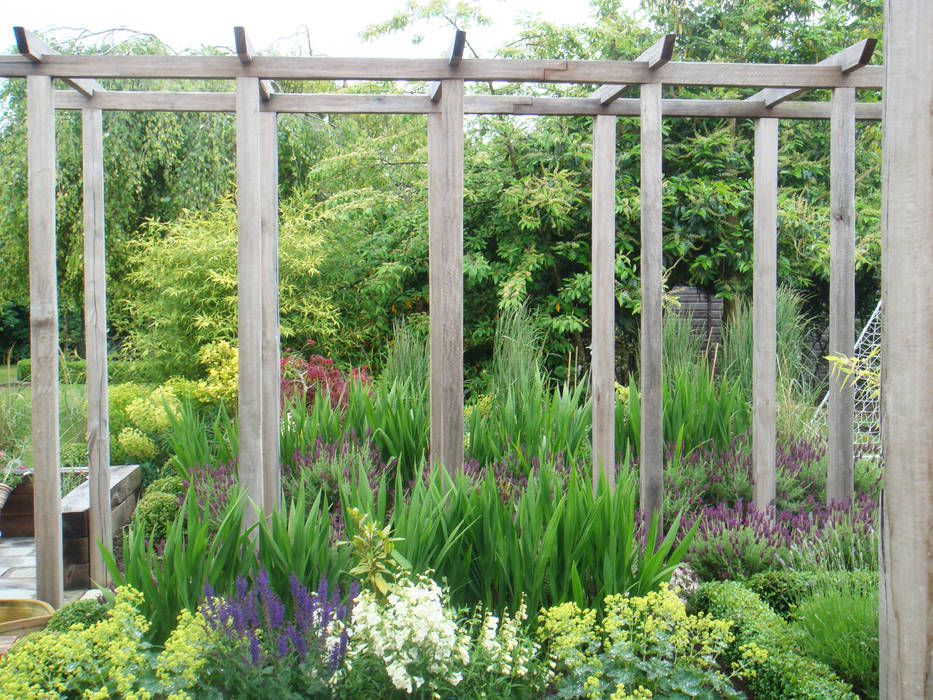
{"x":155,"y":513}
{"x":77,"y":612}
{"x":74,"y":371}
{"x":784,"y":673}
{"x":783,"y":589}
{"x":166,"y":484}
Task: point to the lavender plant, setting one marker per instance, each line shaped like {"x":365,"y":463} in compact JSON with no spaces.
{"x":272,"y":649}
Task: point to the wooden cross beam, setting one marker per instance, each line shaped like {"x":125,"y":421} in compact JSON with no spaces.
{"x":34,"y":48}
{"x":453,"y":60}
{"x":848,"y":60}
{"x":246,"y":52}
{"x":656,"y":56}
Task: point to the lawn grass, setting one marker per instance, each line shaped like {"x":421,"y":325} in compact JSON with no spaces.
{"x":16,"y":417}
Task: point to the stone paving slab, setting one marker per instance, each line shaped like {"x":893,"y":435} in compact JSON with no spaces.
{"x":18,"y":570}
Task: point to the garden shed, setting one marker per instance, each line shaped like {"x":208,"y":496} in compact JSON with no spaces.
{"x":907,"y":620}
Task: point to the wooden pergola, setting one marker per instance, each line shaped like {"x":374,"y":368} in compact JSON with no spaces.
{"x":907,"y":615}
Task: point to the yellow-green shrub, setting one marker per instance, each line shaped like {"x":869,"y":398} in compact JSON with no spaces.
{"x":182,"y":291}
{"x":150,"y":413}
{"x":104,"y":660}
{"x":643,"y":647}
{"x":221,"y":385}
{"x":135,"y":444}
{"x":121,"y":396}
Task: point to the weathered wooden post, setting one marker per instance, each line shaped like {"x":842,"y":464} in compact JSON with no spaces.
{"x":840,"y":484}
{"x":906,"y":619}
{"x":604,"y":299}
{"x":249,"y":263}
{"x":764,"y":323}
{"x":271,"y":366}
{"x":445,"y":275}
{"x":652,"y":287}
{"x":43,"y":322}
{"x":95,"y":323}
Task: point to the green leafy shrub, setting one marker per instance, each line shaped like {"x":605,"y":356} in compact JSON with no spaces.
{"x":183,"y":284}
{"x":78,"y":612}
{"x":839,"y":621}
{"x":782,"y":589}
{"x":155,"y":513}
{"x":643,"y":647}
{"x":784,"y":672}
{"x":167,"y":484}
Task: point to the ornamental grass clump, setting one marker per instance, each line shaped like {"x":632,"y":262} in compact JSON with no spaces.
{"x":641,"y":647}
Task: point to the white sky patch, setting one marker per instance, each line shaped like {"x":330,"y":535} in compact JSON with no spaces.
{"x":292,"y":26}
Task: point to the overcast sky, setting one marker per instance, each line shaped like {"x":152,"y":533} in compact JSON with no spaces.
{"x":331,"y":27}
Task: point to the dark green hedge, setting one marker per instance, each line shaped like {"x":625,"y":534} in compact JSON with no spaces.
{"x":74,"y":371}
{"x":785,"y":674}
{"x":119,"y":371}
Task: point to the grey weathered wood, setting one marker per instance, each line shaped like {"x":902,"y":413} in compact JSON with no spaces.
{"x":472,"y":104}
{"x":154,"y":101}
{"x":249,"y":309}
{"x":484,"y":70}
{"x":95,"y":324}
{"x":122,"y":480}
{"x":433,"y":89}
{"x":603,"y":375}
{"x":35,"y":49}
{"x":445,"y":276}
{"x":246,"y":52}
{"x":43,"y":323}
{"x":271,"y":368}
{"x":655,"y":56}
{"x":849,"y":59}
{"x":455,"y":55}
{"x":652,"y":417}
{"x":906,"y":358}
{"x":764,"y":300}
{"x":840,"y":483}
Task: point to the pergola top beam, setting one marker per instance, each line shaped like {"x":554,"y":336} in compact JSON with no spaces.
{"x":454,"y":58}
{"x":246,"y":52}
{"x":657,"y":55}
{"x":474,"y":69}
{"x":848,"y":60}
{"x":35,"y":49}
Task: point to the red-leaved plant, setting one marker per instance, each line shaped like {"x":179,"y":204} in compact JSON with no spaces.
{"x":306,"y":379}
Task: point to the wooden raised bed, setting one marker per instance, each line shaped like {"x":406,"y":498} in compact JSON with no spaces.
{"x":16,"y":518}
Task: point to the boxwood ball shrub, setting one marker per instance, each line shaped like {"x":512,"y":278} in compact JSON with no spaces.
{"x":155,"y":513}
{"x":782,"y":672}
